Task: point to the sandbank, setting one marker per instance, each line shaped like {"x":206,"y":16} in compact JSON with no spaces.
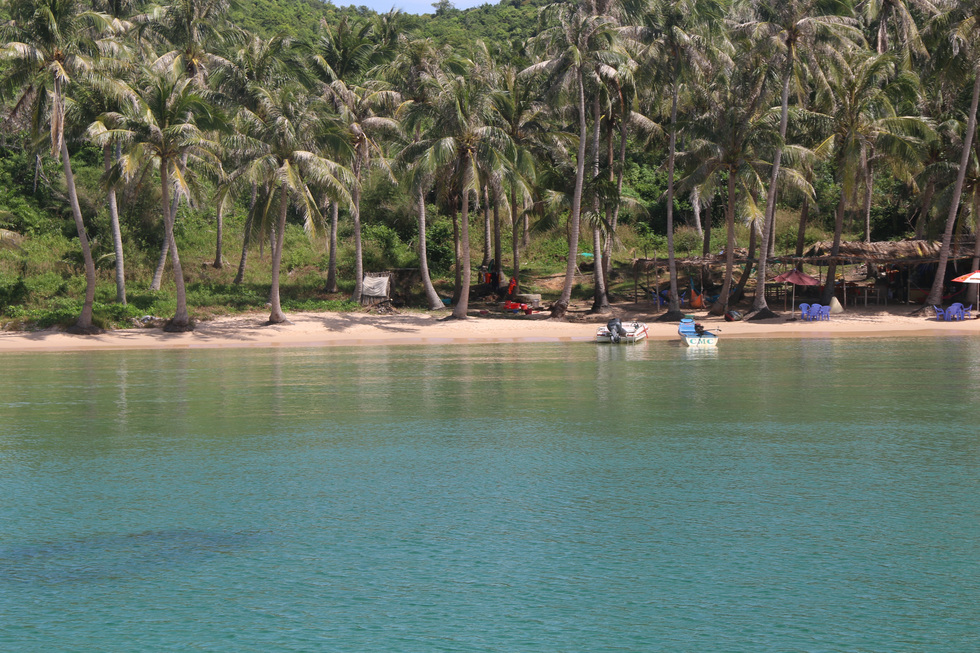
{"x":484,"y":326}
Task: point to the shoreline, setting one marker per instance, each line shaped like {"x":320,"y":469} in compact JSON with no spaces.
{"x":418,"y":328}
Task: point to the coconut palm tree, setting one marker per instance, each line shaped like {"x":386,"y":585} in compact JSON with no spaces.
{"x":865,"y":88}
{"x":958,"y":26}
{"x":280,"y":142}
{"x":796,"y":30}
{"x":359,"y":109}
{"x":728,"y":140}
{"x":168,"y":121}
{"x":49,"y":44}
{"x":459,"y":145}
{"x":678,"y":39}
{"x":578,"y":44}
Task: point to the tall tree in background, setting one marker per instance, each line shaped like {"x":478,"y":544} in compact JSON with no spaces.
{"x":578,"y":42}
{"x":49,"y":44}
{"x":959,"y":31}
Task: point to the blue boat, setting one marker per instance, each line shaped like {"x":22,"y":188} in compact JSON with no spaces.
{"x":694,"y":334}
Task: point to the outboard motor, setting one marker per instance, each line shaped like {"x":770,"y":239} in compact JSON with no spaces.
{"x":616,"y":330}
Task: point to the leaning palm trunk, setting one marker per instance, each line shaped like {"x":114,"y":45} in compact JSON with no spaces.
{"x":431,"y":296}
{"x":180,"y":320}
{"x":936,"y":292}
{"x":246,"y":235}
{"x":165,"y":249}
{"x":117,"y":245}
{"x":276,"y":316}
{"x":84,"y":322}
{"x":574,"y":219}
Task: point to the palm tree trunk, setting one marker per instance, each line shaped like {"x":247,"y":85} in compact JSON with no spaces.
{"x":117,"y":245}
{"x":487,"y":230}
{"x":165,"y":249}
{"x":276,"y":316}
{"x":332,"y":248}
{"x":760,"y":306}
{"x":936,"y":292}
{"x":180,"y":320}
{"x":828,"y":290}
{"x":431,"y":296}
{"x":868,"y":192}
{"x":515,"y":240}
{"x":574,"y":219}
{"x":801,"y":231}
{"x":925,"y":207}
{"x":219,"y":224}
{"x":696,"y":207}
{"x":457,"y":255}
{"x":674,"y":308}
{"x":462,"y":306}
{"x":358,"y":250}
{"x":246,"y":235}
{"x":721,"y":306}
{"x":600,"y":301}
{"x":84,"y":322}
{"x":497,"y":249}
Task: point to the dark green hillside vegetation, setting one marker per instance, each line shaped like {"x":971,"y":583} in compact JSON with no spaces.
{"x":196,"y":158}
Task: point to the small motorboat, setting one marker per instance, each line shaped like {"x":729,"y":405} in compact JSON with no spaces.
{"x":694,"y":334}
{"x":616,"y":331}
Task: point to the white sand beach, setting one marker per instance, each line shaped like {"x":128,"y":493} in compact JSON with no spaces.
{"x":420,"y":328}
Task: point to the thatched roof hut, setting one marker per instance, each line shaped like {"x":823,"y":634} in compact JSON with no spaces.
{"x":906,"y":251}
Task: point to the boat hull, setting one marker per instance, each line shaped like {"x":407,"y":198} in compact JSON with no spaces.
{"x":694,"y":335}
{"x":635,"y":332}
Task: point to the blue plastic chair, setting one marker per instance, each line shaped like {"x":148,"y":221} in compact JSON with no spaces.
{"x":814,"y":313}
{"x":955,"y":311}
{"x":940,"y":314}
{"x":825,"y":313}
{"x":804,"y":310}
{"x":967,"y":315}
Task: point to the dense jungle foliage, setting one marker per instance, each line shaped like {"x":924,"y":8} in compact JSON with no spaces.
{"x":205,"y":156}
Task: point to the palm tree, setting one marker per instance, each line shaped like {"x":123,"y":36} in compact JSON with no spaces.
{"x":523,"y":116}
{"x":415,"y":70}
{"x":459,"y":145}
{"x":728,"y":139}
{"x":165,"y":123}
{"x":49,"y":44}
{"x":959,"y":28}
{"x":357,"y":108}
{"x":280,"y":142}
{"x":677,"y":37}
{"x":791,"y":26}
{"x":865,"y":89}
{"x":580,"y":43}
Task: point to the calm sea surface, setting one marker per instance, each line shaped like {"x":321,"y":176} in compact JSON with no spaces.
{"x":776,"y":496}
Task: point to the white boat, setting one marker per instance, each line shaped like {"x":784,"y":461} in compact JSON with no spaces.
{"x":617,"y":331}
{"x":694,"y":335}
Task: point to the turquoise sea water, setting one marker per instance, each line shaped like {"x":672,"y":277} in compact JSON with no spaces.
{"x":787,"y":495}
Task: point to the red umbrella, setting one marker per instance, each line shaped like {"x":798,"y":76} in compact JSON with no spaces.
{"x":796,"y":278}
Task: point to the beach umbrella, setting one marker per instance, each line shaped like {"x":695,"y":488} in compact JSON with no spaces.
{"x":973,"y":277}
{"x":796,"y":278}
